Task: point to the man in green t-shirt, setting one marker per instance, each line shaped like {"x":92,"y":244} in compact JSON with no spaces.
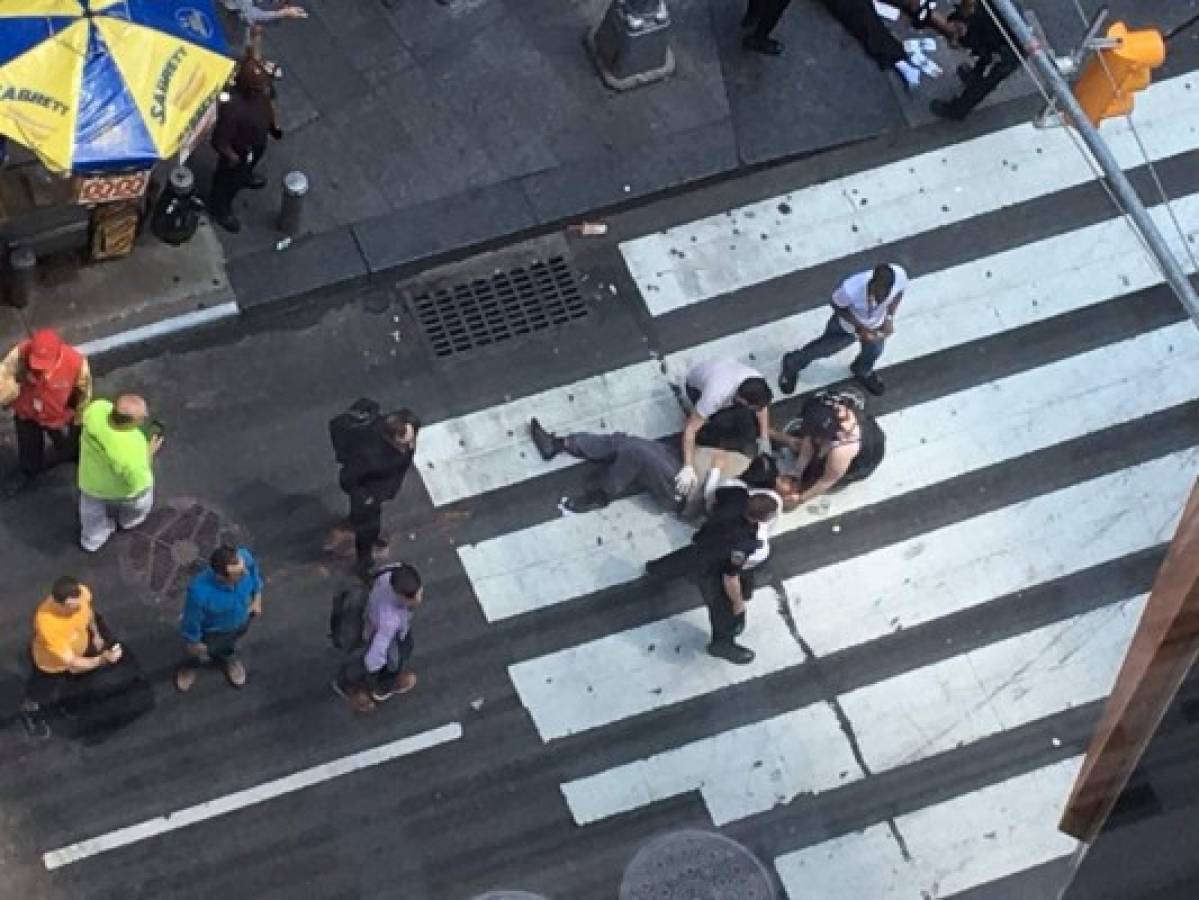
{"x":116,"y":474}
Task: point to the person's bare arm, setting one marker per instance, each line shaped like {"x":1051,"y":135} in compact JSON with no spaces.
{"x":9,"y":386}
{"x":835,"y":468}
{"x":77,"y":665}
{"x":694,"y":423}
{"x":888,"y":328}
{"x":764,"y":425}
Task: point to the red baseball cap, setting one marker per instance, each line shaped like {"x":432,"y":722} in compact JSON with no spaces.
{"x":44,"y":349}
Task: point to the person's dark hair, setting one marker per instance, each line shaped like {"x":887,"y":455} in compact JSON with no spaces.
{"x":762,"y":472}
{"x":884,"y":277}
{"x":755,"y":392}
{"x":120,"y":420}
{"x":65,"y":588}
{"x":222,"y":558}
{"x":761,"y":508}
{"x":405,"y":580}
{"x":397,"y":423}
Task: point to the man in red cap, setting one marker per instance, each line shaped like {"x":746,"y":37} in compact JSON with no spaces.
{"x":46,"y":383}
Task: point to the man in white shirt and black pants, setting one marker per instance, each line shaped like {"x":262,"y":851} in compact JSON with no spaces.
{"x":730,"y":410}
{"x":864,"y":309}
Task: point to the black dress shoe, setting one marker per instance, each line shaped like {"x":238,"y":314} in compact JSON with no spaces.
{"x":547,"y":445}
{"x":732,"y":652}
{"x":945,"y":110}
{"x":787,"y":382}
{"x":768,"y":46}
{"x":256,"y":182}
{"x":872,"y":383}
{"x":228,"y":221}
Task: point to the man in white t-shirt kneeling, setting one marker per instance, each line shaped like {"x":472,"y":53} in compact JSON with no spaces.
{"x":731,"y":411}
{"x":864,"y":309}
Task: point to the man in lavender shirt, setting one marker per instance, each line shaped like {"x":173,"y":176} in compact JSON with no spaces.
{"x":395,"y":594}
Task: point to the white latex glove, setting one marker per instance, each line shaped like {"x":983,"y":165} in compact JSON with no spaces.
{"x":684,"y":481}
{"x":763,"y":445}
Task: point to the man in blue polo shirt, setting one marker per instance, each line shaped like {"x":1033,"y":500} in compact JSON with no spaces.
{"x":221,"y":602}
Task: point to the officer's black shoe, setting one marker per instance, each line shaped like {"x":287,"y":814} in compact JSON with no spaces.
{"x":945,"y":110}
{"x":256,"y":182}
{"x":732,"y":652}
{"x":768,"y":46}
{"x":787,"y":381}
{"x":548,"y":445}
{"x":739,"y":627}
{"x":590,"y":500}
{"x":872,"y":383}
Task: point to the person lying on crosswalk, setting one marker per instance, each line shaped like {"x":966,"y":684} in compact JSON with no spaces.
{"x":633,"y":465}
{"x":835,"y":442}
{"x":730,"y":410}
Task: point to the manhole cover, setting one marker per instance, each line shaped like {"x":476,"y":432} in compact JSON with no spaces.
{"x":508,"y":304}
{"x":175,"y":542}
{"x":695,"y":865}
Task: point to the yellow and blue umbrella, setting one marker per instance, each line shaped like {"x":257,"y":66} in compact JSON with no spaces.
{"x":98,"y":85}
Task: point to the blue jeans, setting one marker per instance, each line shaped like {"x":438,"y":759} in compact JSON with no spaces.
{"x":834,"y":340}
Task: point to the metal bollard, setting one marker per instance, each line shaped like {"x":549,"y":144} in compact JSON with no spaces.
{"x":630,"y":45}
{"x":295,"y":189}
{"x":22,"y":267}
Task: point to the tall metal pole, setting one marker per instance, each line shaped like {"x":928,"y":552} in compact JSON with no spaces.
{"x":1041,"y":59}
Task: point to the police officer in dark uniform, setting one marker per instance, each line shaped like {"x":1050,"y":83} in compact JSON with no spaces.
{"x":732,"y":543}
{"x":722,"y":557}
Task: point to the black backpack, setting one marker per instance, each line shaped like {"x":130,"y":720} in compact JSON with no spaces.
{"x":347,"y":429}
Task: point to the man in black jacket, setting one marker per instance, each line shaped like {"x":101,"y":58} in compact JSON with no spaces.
{"x":375,"y":453}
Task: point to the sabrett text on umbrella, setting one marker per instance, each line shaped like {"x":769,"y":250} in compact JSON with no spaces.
{"x":158,"y":103}
{"x":12,"y":94}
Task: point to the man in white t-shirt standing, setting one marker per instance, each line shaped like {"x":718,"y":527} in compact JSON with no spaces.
{"x":864,"y":309}
{"x":731,"y":411}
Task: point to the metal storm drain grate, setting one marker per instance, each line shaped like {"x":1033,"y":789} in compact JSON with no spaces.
{"x":695,"y":865}
{"x":173,"y":543}
{"x":512,"y":303}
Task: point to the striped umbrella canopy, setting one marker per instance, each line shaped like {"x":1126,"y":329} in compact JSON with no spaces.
{"x":103,"y":85}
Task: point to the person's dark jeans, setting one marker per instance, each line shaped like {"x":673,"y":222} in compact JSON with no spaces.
{"x":859,"y":18}
{"x":985,"y":77}
{"x":398,"y":654}
{"x":725,"y":625}
{"x":229,"y":178}
{"x":763,"y":15}
{"x":834,"y":340}
{"x":222,"y":647}
{"x":366,"y":521}
{"x":46,"y":690}
{"x":31,"y":445}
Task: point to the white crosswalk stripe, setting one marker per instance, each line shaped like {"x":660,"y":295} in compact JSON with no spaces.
{"x":952,"y":846}
{"x":746,"y":246}
{"x":1116,"y":402}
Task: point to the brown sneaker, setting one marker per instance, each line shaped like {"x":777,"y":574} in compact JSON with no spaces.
{"x":235,"y":672}
{"x":184,"y":679}
{"x":407,"y":682}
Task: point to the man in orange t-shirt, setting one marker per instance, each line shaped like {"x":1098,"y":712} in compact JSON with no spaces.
{"x":67,"y":647}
